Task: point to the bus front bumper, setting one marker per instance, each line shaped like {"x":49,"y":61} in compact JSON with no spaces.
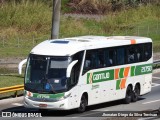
{"x":58,"y":105}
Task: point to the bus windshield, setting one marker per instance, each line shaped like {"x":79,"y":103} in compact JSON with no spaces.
{"x":46,"y":74}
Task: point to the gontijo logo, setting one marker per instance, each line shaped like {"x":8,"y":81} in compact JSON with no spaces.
{"x":100,"y":76}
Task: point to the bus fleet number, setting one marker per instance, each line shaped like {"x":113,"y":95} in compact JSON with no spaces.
{"x":146,"y":69}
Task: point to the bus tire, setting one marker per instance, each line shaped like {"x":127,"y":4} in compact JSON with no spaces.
{"x":128,"y":96}
{"x":135,"y":94}
{"x":83,"y":104}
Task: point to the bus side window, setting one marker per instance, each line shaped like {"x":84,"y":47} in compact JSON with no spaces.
{"x":100,"y":59}
{"x":120,"y":56}
{"x":93,"y":60}
{"x":131,"y":54}
{"x":147,"y":51}
{"x":106,"y":58}
{"x":76,"y":68}
{"x":87,"y":62}
{"x":112,"y":57}
{"x":90,"y":60}
{"x":109,"y":57}
{"x":139,"y":52}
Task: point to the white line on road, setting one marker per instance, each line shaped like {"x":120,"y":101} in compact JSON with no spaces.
{"x":151,"y":101}
{"x":17,"y":104}
{"x":87,"y":114}
{"x":148,"y":118}
{"x":155,"y":84}
{"x":156,"y":78}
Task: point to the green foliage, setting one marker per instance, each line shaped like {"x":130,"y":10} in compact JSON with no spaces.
{"x":25,"y":15}
{"x":64,"y":6}
{"x":11,"y":80}
{"x":107,"y":6}
{"x":26,"y":23}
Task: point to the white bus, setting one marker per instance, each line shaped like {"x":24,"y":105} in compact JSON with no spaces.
{"x":77,"y":72}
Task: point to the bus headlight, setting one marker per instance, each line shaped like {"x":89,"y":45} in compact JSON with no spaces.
{"x":65,"y":96}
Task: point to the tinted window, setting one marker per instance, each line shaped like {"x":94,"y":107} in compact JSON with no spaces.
{"x":131,"y":54}
{"x":139,"y":53}
{"x":76,"y":69}
{"x":120,"y":56}
{"x":112,"y":57}
{"x":101,"y":58}
{"x":107,"y":57}
{"x":147,"y":51}
{"x":90,"y":60}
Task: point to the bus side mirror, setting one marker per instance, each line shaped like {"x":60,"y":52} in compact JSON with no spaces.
{"x":21,"y":65}
{"x":69,"y":68}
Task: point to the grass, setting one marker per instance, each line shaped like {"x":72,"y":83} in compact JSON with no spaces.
{"x":23,"y":25}
{"x":24,"y":18}
{"x":10,"y":80}
{"x":10,"y":77}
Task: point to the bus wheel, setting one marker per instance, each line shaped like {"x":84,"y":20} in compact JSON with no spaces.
{"x":128,"y":97}
{"x":135,"y":94}
{"x":83,"y":104}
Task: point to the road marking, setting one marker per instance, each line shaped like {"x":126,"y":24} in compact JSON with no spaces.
{"x":17,"y":104}
{"x":151,"y":101}
{"x":74,"y":117}
{"x":101,"y":109}
{"x":156,"y":77}
{"x":84,"y":115}
{"x":148,"y":118}
{"x":155,"y":84}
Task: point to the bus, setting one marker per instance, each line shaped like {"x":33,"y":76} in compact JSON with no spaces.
{"x":76,"y":72}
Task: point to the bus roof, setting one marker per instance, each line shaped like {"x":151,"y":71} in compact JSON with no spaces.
{"x":70,"y":46}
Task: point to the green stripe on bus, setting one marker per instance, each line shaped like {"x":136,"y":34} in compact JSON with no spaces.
{"x":132,"y":70}
{"x":109,"y":74}
{"x":118,"y":84}
{"x":58,"y":95}
{"x":121,"y":73}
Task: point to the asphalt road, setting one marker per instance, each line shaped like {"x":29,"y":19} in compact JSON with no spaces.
{"x":147,"y":103}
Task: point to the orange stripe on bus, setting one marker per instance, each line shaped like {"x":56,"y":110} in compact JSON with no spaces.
{"x":123,"y":83}
{"x":126,"y":71}
{"x":116,"y":73}
{"x":133,"y":41}
{"x":91,"y":78}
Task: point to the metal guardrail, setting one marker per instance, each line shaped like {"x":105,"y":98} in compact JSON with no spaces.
{"x":12,"y":89}
{"x":156,"y":64}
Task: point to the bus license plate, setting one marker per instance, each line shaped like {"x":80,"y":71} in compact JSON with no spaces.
{"x":43,"y":105}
